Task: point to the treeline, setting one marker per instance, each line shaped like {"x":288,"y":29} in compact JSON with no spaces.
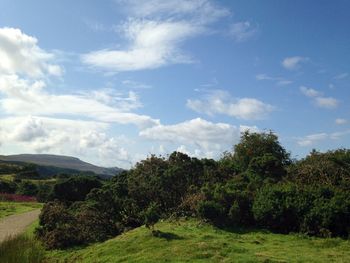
{"x":44,"y":190}
{"x":257,"y":185}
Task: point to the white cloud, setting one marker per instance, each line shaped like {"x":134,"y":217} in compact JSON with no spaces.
{"x":20,"y":54}
{"x":155,"y":31}
{"x":326,"y":102}
{"x":242,"y":31}
{"x":318,"y":99}
{"x":313,"y":139}
{"x":202,"y":11}
{"x":25,"y":97}
{"x":86,"y":139}
{"x":210,"y":138}
{"x":278,"y":80}
{"x":341,"y":121}
{"x":293,"y":63}
{"x":309,"y":92}
{"x":220,"y":102}
{"x":341,"y":76}
{"x":153,"y":44}
{"x":28,"y":130}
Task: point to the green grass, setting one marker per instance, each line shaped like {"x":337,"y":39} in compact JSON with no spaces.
{"x":23,"y":248}
{"x":11,"y":208}
{"x":192,"y":241}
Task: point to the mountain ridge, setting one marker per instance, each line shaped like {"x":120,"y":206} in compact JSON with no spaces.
{"x":61,"y":161}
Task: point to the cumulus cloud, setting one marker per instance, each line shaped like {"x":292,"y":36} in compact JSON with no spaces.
{"x":318,"y":98}
{"x":220,"y":102}
{"x":293,"y":63}
{"x":20,"y":54}
{"x":242,"y":31}
{"x":208,"y":137}
{"x":87,"y":139}
{"x":310,"y":92}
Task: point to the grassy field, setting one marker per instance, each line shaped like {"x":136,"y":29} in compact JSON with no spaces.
{"x":192,"y":241}
{"x":11,"y":208}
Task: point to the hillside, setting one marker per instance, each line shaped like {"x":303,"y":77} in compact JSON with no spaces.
{"x":64,"y":163}
{"x":193,"y":241}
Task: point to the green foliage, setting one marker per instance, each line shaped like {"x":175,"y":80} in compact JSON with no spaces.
{"x":257,"y":185}
{"x":27,"y":188}
{"x":75,"y":188}
{"x":330,"y":168}
{"x":151,"y":215}
{"x":58,"y":227}
{"x":254,"y":145}
{"x":7,"y":187}
{"x":212,"y":211}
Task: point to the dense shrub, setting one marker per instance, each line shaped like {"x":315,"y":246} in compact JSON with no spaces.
{"x":74,"y":188}
{"x":27,"y":188}
{"x":7,"y":187}
{"x":58,"y":227}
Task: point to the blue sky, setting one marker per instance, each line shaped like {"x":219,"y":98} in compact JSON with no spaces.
{"x":114,"y":81}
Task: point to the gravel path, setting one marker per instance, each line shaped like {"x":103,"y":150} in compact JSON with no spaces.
{"x":16,"y":224}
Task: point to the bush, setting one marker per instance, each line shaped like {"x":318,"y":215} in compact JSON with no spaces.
{"x":58,"y":228}
{"x":151,"y":216}
{"x":212,"y":211}
{"x":7,"y":187}
{"x":27,"y":188}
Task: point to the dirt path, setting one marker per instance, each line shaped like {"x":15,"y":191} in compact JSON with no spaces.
{"x":16,"y":224}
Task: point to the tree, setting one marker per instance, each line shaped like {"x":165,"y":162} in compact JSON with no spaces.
{"x":255,"y":145}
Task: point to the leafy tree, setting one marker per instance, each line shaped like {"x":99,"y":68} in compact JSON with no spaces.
{"x":256,"y":145}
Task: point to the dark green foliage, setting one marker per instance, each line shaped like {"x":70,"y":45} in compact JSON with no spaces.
{"x":58,"y":227}
{"x":151,"y":215}
{"x":254,"y":145}
{"x":75,"y":188}
{"x":330,"y":168}
{"x":44,"y":192}
{"x":7,"y":187}
{"x":212,"y":211}
{"x":27,"y":188}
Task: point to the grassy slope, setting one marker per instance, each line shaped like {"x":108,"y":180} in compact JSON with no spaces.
{"x":191,"y":241}
{"x":11,"y":208}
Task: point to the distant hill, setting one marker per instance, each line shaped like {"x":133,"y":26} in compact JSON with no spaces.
{"x":49,"y":163}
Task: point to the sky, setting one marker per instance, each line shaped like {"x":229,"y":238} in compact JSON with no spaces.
{"x":114,"y":81}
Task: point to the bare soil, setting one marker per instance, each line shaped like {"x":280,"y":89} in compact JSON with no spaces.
{"x":16,"y":224}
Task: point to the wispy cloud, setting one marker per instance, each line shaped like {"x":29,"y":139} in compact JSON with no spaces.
{"x":155,"y":31}
{"x":341,"y":76}
{"x":293,"y":63}
{"x":242,"y":31}
{"x":221,"y":102}
{"x":279,"y":81}
{"x":313,"y":139}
